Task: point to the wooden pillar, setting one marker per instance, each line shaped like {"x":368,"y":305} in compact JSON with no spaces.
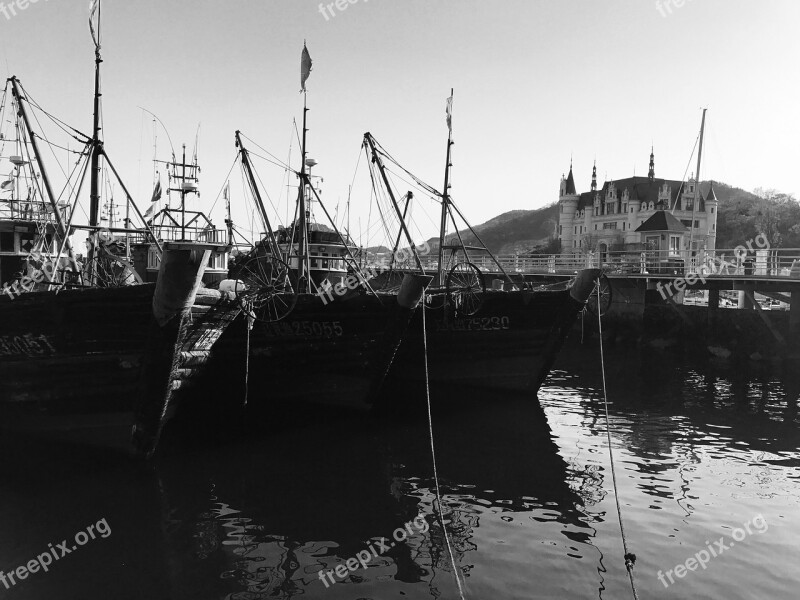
{"x":744,"y":301}
{"x":794,"y":312}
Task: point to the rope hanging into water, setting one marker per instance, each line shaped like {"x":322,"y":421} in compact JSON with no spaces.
{"x":630,"y":558}
{"x":433,"y":457}
{"x":248,"y":307}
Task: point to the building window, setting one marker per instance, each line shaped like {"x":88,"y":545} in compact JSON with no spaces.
{"x":674,"y":244}
{"x":712,"y":210}
{"x":610,"y":225}
{"x":559,"y":230}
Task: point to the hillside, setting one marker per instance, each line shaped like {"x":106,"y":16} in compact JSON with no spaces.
{"x":516,"y":231}
{"x":742,"y":216}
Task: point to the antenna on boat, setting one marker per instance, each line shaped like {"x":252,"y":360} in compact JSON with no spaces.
{"x":446,"y":190}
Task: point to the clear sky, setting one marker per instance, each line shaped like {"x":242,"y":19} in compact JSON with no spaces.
{"x":535,"y":83}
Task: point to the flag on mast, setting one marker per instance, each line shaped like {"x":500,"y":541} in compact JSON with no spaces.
{"x":305,"y":67}
{"x":94,"y":5}
{"x":156,"y":192}
{"x":449,"y":112}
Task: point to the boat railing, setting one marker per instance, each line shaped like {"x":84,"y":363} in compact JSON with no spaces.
{"x":173,"y":234}
{"x":741,"y":261}
{"x":32,"y":210}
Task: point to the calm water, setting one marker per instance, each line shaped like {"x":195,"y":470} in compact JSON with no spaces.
{"x":700,"y":449}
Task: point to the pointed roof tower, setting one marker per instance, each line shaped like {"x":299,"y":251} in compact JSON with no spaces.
{"x":711,"y":196}
{"x":651,"y":174}
{"x":571,"y":181}
{"x":594,"y":176}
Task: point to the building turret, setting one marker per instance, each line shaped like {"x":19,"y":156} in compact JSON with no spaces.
{"x":594,"y":177}
{"x":651,"y":174}
{"x":712,"y":206}
{"x":567,"y":212}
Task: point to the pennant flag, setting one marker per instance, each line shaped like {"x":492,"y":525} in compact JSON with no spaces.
{"x":450,"y":112}
{"x":149,"y":211}
{"x":226,"y":192}
{"x":94,"y":5}
{"x":305,"y":67}
{"x":7,"y":184}
{"x":156,"y":192}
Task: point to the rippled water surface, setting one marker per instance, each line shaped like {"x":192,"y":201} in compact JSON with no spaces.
{"x":703,"y":451}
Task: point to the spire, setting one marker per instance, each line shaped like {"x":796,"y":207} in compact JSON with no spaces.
{"x":570,"y":181}
{"x":594,"y":176}
{"x":651,"y":175}
{"x":711,"y":196}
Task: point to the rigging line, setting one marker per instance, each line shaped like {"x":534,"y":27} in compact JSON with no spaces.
{"x":433,"y":458}
{"x":219,"y":194}
{"x":47,"y":142}
{"x":169,"y":139}
{"x":53,"y":144}
{"x":272,"y":162}
{"x":688,"y":166}
{"x":35,"y":104}
{"x":630,"y":559}
{"x":267,"y":151}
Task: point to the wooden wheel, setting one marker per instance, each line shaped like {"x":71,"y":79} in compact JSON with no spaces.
{"x":465,"y":288}
{"x":601,"y":296}
{"x":266,"y":287}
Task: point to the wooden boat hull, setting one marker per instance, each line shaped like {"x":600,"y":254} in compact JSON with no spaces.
{"x":328,"y":353}
{"x":509,"y":344}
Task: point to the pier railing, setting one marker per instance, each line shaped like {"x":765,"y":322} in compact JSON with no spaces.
{"x":776,"y":262}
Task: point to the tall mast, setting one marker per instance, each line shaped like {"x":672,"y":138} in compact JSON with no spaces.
{"x":94,"y":186}
{"x":248,"y":168}
{"x":302,"y":253}
{"x":62,"y":232}
{"x":183,"y":194}
{"x":697,"y":181}
{"x":446,"y":191}
{"x":377,"y":159}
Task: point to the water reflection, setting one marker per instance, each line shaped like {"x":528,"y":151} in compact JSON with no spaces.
{"x":701,"y":447}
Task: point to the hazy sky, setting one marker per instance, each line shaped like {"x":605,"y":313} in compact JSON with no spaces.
{"x":535,"y":82}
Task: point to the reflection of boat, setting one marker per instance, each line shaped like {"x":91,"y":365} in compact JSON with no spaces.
{"x":275,"y":534}
{"x":87,"y":350}
{"x":503,"y":337}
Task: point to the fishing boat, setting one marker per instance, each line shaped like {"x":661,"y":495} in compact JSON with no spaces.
{"x":312,"y":327}
{"x":504,"y":336}
{"x":89,"y":351}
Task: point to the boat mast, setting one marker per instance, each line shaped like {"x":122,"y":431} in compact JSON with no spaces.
{"x":273,"y":244}
{"x":446,"y":191}
{"x":697,"y":182}
{"x":377,"y":160}
{"x":97,"y":150}
{"x":62,"y":232}
{"x":302,"y":254}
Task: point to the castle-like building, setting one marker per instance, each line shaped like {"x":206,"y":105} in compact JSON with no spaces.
{"x":608,"y":218}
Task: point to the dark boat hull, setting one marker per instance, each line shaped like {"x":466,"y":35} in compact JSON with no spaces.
{"x":509,"y":344}
{"x":332,"y":353}
{"x":86,"y":365}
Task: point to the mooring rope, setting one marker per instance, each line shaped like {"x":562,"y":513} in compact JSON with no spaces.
{"x":630,"y":559}
{"x":248,"y":325}
{"x":433,"y":457}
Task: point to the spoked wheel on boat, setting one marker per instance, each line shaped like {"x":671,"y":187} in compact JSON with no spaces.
{"x":603,"y":303}
{"x":107,"y":271}
{"x":267,"y":288}
{"x":465,"y":287}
